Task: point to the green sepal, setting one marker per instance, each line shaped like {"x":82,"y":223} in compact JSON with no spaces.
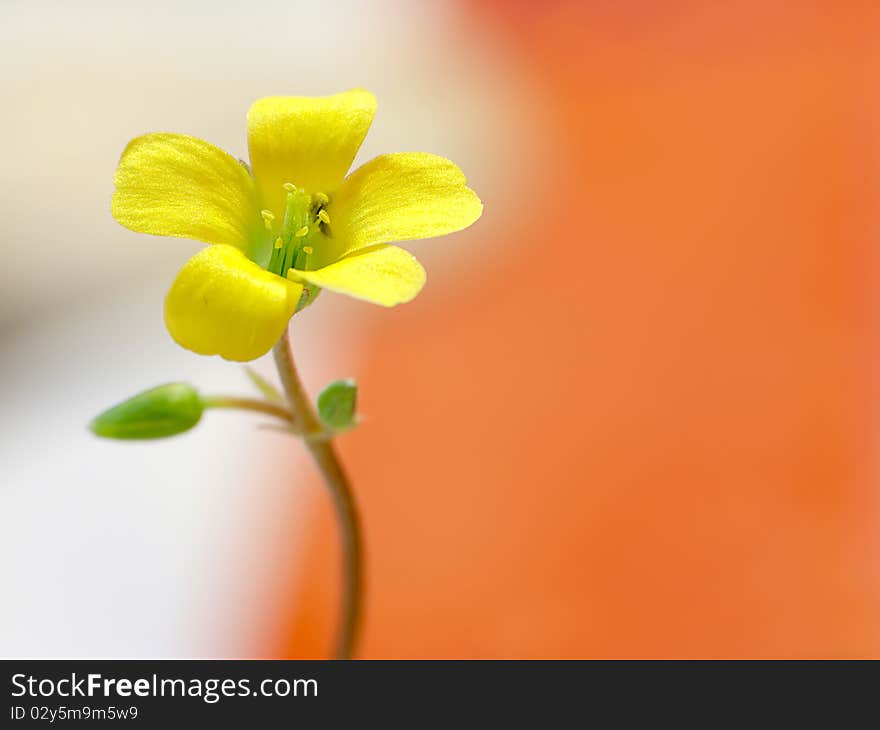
{"x":309,"y":294}
{"x":337,"y":404}
{"x":163,"y":411}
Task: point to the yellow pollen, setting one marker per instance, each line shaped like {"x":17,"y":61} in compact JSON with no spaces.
{"x":324,"y":216}
{"x":278,"y":242}
{"x":304,"y":231}
{"x":308,"y":250}
{"x":322,"y":198}
{"x":289,"y":187}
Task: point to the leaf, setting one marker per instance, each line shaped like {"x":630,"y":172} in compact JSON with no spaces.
{"x":337,"y":404}
{"x":269,"y":391}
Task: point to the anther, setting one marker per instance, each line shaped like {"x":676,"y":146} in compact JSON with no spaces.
{"x":324,"y":216}
{"x":278,"y":242}
{"x":268,"y":217}
{"x":322,"y":198}
{"x":289,"y":187}
{"x":308,"y":250}
{"x":304,"y":231}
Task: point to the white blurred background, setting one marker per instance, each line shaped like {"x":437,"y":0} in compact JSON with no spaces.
{"x":160,"y":549}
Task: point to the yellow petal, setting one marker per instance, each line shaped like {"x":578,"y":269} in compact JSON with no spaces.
{"x":174,"y":185}
{"x":221,"y":303}
{"x":307,"y":141}
{"x":401,"y":197}
{"x":385,"y":275}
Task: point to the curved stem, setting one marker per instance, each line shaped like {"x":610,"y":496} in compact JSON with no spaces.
{"x":249,"y":404}
{"x":306,"y":421}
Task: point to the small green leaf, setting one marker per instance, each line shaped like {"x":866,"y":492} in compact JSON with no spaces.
{"x":337,"y":403}
{"x":269,"y":391}
{"x":163,"y":411}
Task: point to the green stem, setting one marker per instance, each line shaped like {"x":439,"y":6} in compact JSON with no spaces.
{"x":306,"y":421}
{"x":249,"y":404}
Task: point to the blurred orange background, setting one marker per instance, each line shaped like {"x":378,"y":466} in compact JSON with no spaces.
{"x":645,"y":428}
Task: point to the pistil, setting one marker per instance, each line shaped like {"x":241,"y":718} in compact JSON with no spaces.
{"x":304,"y":219}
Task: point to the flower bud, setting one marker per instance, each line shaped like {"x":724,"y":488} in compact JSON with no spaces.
{"x":336,"y":404}
{"x":162,"y":411}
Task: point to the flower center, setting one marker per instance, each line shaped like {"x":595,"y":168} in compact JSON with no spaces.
{"x":306,"y":221}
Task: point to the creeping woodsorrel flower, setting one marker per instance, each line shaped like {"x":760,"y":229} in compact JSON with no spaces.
{"x":289,"y":225}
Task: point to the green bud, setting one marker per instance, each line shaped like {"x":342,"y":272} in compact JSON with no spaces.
{"x":336,"y":404}
{"x":163,"y":411}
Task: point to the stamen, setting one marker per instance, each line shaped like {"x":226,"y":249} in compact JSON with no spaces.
{"x":268,"y":218}
{"x":304,"y":218}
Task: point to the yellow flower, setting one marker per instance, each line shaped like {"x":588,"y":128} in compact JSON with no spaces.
{"x":292,"y":227}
